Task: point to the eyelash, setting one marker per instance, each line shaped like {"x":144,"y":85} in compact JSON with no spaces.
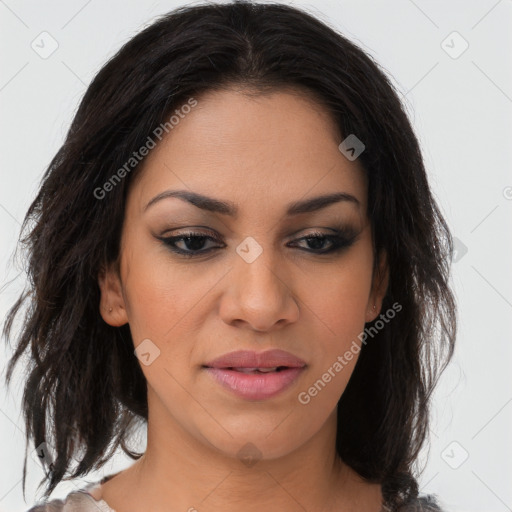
{"x":344,"y":239}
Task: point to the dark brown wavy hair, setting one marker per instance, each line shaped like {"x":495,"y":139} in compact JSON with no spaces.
{"x":85,"y":391}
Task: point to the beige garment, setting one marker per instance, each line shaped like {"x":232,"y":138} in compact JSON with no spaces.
{"x":87,"y":499}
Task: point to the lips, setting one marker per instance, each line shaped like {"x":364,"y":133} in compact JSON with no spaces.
{"x":256,"y":376}
{"x":245,"y":360}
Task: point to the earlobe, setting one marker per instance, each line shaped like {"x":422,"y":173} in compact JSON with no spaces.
{"x":112,"y":306}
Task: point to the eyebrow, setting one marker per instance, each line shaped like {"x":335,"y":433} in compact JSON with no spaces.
{"x":229,"y":208}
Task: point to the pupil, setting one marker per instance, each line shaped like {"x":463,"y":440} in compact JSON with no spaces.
{"x":316,"y":242}
{"x":194,"y":242}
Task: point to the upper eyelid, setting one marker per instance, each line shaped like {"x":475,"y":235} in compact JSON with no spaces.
{"x":316,"y":232}
{"x":339,"y":229}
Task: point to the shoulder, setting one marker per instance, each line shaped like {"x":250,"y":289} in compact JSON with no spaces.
{"x":76,"y":501}
{"x":86,"y":499}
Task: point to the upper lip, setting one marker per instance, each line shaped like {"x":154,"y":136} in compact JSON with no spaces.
{"x":250,"y":359}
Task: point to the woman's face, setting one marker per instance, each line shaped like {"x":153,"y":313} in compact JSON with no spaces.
{"x":251,"y":280}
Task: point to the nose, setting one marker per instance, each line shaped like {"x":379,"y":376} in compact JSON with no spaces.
{"x":259,"y":294}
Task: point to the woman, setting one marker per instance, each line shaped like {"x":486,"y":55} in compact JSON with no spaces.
{"x":237,"y":246}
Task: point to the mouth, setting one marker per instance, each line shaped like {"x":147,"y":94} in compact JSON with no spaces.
{"x":271,"y":360}
{"x":255,"y":376}
{"x":253,"y":370}
{"x":255,"y":383}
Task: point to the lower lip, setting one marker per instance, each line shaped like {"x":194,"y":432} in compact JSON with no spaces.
{"x":255,"y":386}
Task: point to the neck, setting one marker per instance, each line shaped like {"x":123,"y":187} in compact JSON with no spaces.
{"x":190,"y":474}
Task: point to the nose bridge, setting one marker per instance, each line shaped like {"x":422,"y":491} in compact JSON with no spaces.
{"x":261,"y":293}
{"x":258,"y":266}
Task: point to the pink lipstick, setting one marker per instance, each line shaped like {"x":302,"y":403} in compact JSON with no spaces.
{"x":256,"y":376}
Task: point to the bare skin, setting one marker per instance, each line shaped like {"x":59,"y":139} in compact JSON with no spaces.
{"x":260,"y":153}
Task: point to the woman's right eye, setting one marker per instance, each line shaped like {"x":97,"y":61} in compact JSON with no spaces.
{"x":193,"y":243}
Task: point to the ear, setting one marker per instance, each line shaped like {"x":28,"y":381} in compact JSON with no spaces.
{"x":379,"y":287}
{"x":112,"y":304}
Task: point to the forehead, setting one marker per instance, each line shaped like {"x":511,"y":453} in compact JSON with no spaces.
{"x":253,"y":149}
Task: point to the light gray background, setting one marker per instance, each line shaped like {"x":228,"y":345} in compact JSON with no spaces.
{"x":461,"y":109}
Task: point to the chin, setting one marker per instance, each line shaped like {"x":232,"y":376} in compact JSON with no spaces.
{"x":265,"y":440}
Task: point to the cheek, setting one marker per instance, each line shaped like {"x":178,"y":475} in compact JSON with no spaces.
{"x":165,"y":301}
{"x":339,"y":295}
{"x":337,"y":306}
{"x":152,"y":289}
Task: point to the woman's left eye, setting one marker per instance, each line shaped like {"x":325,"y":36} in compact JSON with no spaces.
{"x":336,"y":242}
{"x":194,"y":242}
